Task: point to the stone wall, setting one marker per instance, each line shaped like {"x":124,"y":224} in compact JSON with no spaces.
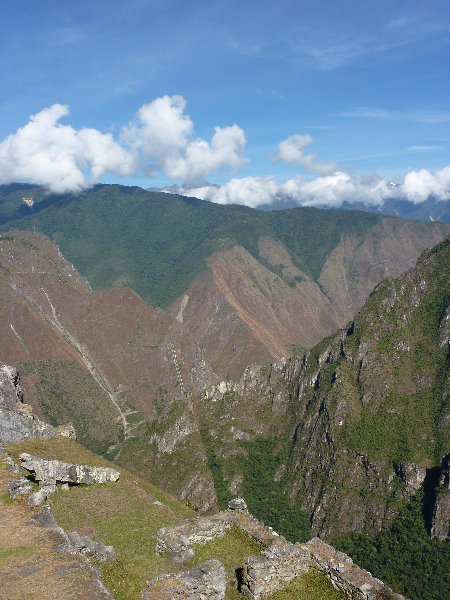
{"x":205,"y":582}
{"x":278,"y":565}
{"x":272,"y":569}
{"x":177,"y":539}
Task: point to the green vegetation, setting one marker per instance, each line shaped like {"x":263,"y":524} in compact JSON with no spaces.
{"x":16,"y":552}
{"x":232,"y":547}
{"x":93,"y":416}
{"x":310,"y":586}
{"x":264,"y":496}
{"x":215,"y":465}
{"x":298,"y":349}
{"x":404,"y":556}
{"x":157,"y":243}
{"x":5,"y":498}
{"x":122,"y":514}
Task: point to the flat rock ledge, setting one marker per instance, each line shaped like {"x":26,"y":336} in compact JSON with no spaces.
{"x":52,"y":471}
{"x":206,"y":582}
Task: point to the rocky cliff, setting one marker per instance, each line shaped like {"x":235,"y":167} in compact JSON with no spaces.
{"x":349,"y":430}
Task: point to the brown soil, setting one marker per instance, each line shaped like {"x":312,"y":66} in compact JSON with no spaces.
{"x":31,"y":568}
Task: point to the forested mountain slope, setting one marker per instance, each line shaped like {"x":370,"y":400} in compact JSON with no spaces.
{"x":346,"y":432}
{"x":243,"y":285}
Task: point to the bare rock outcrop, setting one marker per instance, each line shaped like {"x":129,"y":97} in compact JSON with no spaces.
{"x":51,"y":471}
{"x":17,"y":421}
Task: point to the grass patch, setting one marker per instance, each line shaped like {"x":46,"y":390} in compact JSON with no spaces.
{"x":19,"y":552}
{"x":5,"y":498}
{"x":231,"y":549}
{"x":310,"y":586}
{"x":122,"y":514}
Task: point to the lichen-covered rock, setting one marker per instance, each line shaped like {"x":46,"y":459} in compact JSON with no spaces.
{"x":205,"y":582}
{"x":83,"y":544}
{"x":43,"y":493}
{"x":52,"y":471}
{"x":46,"y":518}
{"x":19,"y":487}
{"x":237,"y":504}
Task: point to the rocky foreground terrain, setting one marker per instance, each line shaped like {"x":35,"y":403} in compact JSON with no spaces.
{"x":34,"y":544}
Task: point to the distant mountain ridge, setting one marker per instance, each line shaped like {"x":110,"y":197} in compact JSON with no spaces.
{"x":430,"y":209}
{"x":279,"y":278}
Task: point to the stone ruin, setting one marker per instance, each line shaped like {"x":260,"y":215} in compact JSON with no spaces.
{"x":259,"y":576}
{"x":207,"y":581}
{"x":177,"y":540}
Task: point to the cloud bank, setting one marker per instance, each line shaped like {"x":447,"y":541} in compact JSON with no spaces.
{"x":330,"y":190}
{"x":160,"y":138}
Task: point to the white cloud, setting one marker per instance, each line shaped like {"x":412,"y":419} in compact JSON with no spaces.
{"x":330,"y":190}
{"x":60,"y":157}
{"x":418,"y":185}
{"x":160,"y":138}
{"x":291,"y":149}
{"x":162,"y":133}
{"x":160,"y":128}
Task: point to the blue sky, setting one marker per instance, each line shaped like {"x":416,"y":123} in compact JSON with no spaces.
{"x":363,"y":86}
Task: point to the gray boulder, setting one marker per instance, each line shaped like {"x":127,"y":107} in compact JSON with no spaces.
{"x":19,"y":487}
{"x":51,"y":471}
{"x":237,"y":504}
{"x":17,"y":421}
{"x":39,"y":497}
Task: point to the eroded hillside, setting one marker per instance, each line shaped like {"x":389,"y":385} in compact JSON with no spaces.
{"x":348,"y":431}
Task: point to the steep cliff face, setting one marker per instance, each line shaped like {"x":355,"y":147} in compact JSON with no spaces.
{"x":355,"y":424}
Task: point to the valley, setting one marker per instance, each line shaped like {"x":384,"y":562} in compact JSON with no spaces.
{"x":297,"y":358}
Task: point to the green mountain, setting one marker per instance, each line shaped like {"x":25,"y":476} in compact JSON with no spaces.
{"x":241,"y":285}
{"x":157,"y":243}
{"x":340,"y":437}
